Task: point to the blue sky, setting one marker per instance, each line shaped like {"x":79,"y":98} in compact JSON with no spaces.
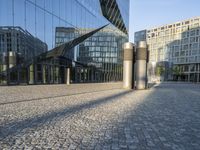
{"x":145,"y":14}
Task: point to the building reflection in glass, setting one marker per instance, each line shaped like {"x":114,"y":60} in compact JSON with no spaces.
{"x":30,"y":27}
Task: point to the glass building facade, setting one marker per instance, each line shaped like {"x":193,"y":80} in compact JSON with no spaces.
{"x":102,"y":51}
{"x":47,"y":24}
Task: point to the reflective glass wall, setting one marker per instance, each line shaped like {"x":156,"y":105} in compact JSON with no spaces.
{"x":28,"y":28}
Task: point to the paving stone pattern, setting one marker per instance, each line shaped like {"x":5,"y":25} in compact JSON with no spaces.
{"x":166,"y":116}
{"x":24,"y":93}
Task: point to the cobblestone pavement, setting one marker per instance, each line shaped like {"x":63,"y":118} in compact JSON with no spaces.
{"x":166,"y":116}
{"x":33,"y":92}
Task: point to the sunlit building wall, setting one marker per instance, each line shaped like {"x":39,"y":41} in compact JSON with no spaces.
{"x":176,"y":46}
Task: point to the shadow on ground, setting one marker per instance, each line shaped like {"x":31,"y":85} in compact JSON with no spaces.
{"x":168,"y":118}
{"x":15,"y":128}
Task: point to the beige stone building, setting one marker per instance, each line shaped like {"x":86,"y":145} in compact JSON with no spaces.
{"x":174,"y":50}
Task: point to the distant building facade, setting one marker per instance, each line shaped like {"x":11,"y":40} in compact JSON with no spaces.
{"x":21,"y":42}
{"x":140,"y":36}
{"x":17,"y":46}
{"x":66,"y":34}
{"x":175,"y":50}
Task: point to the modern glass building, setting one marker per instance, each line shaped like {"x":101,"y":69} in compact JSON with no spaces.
{"x":101,"y":51}
{"x":84,"y":34}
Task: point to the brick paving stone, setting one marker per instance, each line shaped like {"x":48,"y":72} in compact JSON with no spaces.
{"x":101,"y":116}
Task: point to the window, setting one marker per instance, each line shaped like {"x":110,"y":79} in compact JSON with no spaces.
{"x":192,"y":33}
{"x":192,"y":39}
{"x":196,"y":25}
{"x":184,"y":28}
{"x":185,"y":40}
{"x":197,"y":39}
{"x":187,"y":22}
{"x":195,"y":46}
{"x":197,"y":32}
{"x":170,"y":26}
{"x":185,"y":47}
{"x":182,"y":53}
{"x":178,"y":29}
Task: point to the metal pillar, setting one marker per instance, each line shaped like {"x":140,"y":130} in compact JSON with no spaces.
{"x":141,"y":65}
{"x":197,"y":72}
{"x":44,"y":74}
{"x":189,"y":74}
{"x":88,"y":80}
{"x":31,"y":74}
{"x":4,"y":61}
{"x":68,"y":76}
{"x":12,"y":59}
{"x":35,"y":73}
{"x":128,"y":65}
{"x":75,"y":74}
{"x":5,"y":67}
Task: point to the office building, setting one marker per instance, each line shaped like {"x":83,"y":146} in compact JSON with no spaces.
{"x":53,"y":23}
{"x":102,"y":51}
{"x":175,"y":50}
{"x":66,"y":34}
{"x":140,"y":36}
{"x":17,"y":46}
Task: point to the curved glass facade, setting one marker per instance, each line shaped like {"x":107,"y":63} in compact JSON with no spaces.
{"x":31,"y":27}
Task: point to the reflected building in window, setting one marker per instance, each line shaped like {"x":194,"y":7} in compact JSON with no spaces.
{"x":102,"y":51}
{"x":21,"y":42}
{"x":66,"y":34}
{"x":85,"y":35}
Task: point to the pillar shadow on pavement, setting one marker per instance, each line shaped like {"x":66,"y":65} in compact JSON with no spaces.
{"x":17,"y":127}
{"x":49,"y":97}
{"x":168,"y":118}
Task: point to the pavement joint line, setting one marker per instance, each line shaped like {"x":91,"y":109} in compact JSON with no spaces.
{"x":58,"y":96}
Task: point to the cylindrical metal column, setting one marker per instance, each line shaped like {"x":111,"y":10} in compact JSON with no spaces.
{"x":5,"y":66}
{"x":5,"y":61}
{"x":128,"y":65}
{"x":12,"y":59}
{"x":31,"y":74}
{"x":44,"y":73}
{"x":141,"y":65}
{"x":68,"y":76}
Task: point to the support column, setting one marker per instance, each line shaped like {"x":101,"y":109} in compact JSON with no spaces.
{"x":44,"y":73}
{"x":35,"y":73}
{"x":88,"y":80}
{"x":31,"y":74}
{"x":5,"y":67}
{"x":75,"y":74}
{"x":128,"y":65}
{"x":141,"y":65}
{"x":19,"y":71}
{"x":189,"y":74}
{"x":92,"y":75}
{"x":197,"y":73}
{"x":68,"y":76}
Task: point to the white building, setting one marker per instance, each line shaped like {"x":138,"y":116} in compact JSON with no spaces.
{"x":175,"y":48}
